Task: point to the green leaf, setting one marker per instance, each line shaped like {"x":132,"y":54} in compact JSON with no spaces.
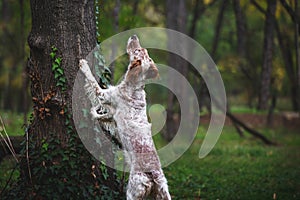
{"x":69,"y":131}
{"x":45,"y":146}
{"x":56,"y":75}
{"x":62,"y":79}
{"x":52,"y":55}
{"x":65,"y":158}
{"x":59,"y":70}
{"x":54,"y":66}
{"x":59,"y":84}
{"x":58,"y":61}
{"x":107,"y":70}
{"x":54,"y":48}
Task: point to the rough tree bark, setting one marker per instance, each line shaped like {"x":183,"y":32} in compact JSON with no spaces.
{"x":267,"y":56}
{"x":70,"y":27}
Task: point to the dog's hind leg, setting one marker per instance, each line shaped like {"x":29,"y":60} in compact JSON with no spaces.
{"x":161,"y":191}
{"x":139,"y":186}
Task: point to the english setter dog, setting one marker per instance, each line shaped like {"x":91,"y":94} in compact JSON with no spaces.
{"x":126,"y":104}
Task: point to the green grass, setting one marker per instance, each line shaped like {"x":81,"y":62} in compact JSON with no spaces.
{"x":239,"y":168}
{"x":13,"y":122}
{"x":7,"y":171}
{"x":245,"y":109}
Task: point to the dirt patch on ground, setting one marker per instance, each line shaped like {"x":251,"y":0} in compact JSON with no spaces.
{"x":284,"y":119}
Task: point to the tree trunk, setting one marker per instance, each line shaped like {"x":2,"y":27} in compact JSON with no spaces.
{"x":24,"y":100}
{"x":116,"y":17}
{"x":56,"y":165}
{"x":267,"y":56}
{"x":286,"y":53}
{"x":297,"y":44}
{"x":199,"y":9}
{"x":241,"y":30}
{"x":176,"y":20}
{"x":243,"y":59}
{"x":218,"y":28}
{"x":294,"y":14}
{"x":70,"y":27}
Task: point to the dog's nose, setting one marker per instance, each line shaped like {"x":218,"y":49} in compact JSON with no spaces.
{"x":134,"y":37}
{"x":133,"y":43}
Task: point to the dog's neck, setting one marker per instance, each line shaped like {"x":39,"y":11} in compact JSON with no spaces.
{"x":134,"y":94}
{"x":132,"y":88}
{"x":137,"y":85}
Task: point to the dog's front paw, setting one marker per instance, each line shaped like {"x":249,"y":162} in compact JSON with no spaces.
{"x":83,"y":63}
{"x":84,"y":67}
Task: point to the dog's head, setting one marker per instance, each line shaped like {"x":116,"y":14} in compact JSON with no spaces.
{"x":141,"y":66}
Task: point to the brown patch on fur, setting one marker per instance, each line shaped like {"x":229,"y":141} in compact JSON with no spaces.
{"x":135,"y":63}
{"x":135,"y":71}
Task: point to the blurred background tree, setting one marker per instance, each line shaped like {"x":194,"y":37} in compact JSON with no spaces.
{"x":15,"y":25}
{"x":255,"y":45}
{"x":232,"y":31}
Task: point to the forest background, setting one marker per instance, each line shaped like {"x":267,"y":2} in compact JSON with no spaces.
{"x":255,"y":45}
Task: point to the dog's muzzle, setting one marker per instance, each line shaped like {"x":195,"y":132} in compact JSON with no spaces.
{"x":133,"y":43}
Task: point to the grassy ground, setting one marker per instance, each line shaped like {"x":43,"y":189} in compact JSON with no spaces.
{"x":14,"y":123}
{"x":14,"y":126}
{"x":239,"y":168}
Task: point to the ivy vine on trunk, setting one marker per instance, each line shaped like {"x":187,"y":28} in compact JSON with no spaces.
{"x":55,"y":164}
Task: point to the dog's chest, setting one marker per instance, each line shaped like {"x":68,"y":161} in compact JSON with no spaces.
{"x":130,"y":113}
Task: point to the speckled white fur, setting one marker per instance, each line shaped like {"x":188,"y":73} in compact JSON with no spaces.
{"x":126,"y":104}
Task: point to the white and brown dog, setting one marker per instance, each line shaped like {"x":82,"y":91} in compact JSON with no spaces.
{"x":127,"y":107}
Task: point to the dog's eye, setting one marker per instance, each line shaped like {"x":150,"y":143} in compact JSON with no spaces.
{"x":150,"y":60}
